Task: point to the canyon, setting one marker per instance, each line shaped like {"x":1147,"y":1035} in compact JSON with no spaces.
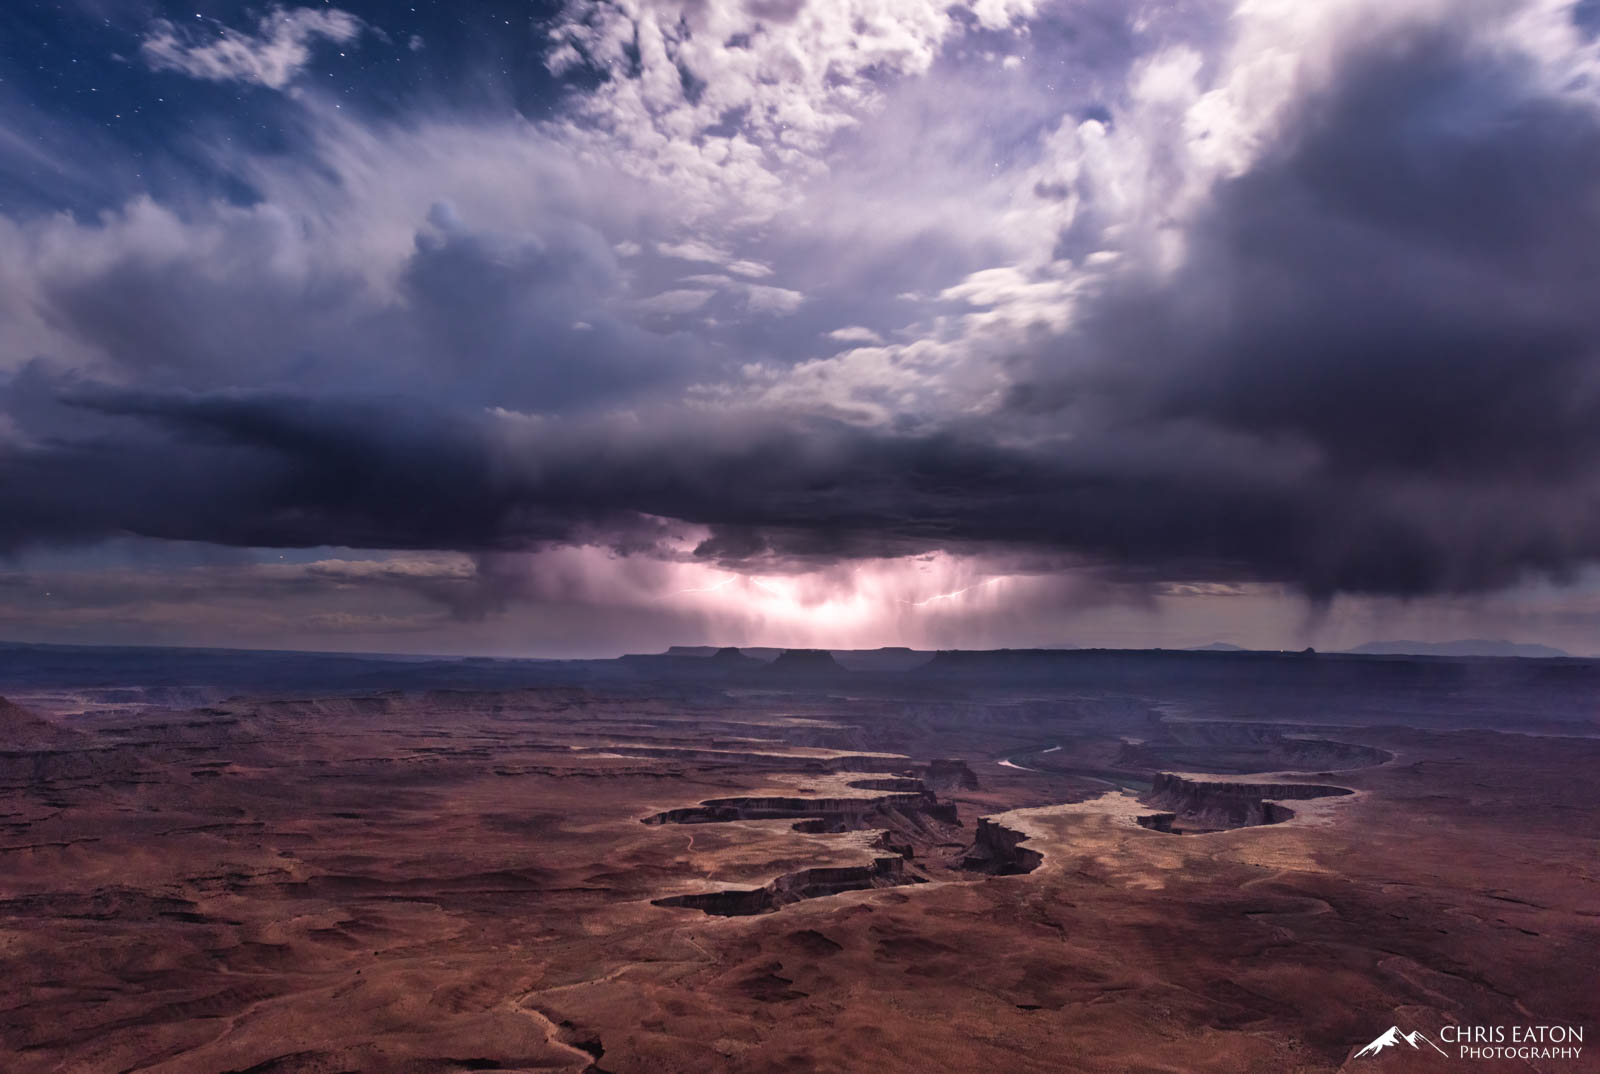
{"x":1195,"y":862}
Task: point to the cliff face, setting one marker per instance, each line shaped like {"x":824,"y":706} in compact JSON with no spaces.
{"x":806,"y":662}
{"x":921,"y":834}
{"x":1220,"y":746}
{"x":722,"y":810}
{"x":997,"y":850}
{"x":1196,"y":806}
{"x":731,"y":659}
{"x":1174,"y":789}
{"x":793,"y":887}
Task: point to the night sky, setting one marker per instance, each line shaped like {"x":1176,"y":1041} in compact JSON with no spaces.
{"x":577,"y":328}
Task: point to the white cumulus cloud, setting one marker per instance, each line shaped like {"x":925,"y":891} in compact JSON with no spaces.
{"x":271,"y":57}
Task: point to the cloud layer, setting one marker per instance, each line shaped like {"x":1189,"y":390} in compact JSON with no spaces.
{"x":1267,"y":293}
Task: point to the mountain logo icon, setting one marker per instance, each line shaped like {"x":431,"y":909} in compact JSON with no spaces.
{"x":1392,"y":1036}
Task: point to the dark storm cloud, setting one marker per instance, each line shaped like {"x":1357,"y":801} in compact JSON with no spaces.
{"x":1404,"y":288}
{"x":523,"y":319}
{"x":277,"y":470}
{"x":1407,"y":285}
{"x":274,"y":469}
{"x":264,"y":469}
{"x":1373,"y":370}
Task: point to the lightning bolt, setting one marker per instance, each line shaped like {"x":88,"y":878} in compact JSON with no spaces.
{"x":952,"y":596}
{"x":711,"y":588}
{"x":764,"y":587}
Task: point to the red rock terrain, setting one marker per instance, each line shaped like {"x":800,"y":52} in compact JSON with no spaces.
{"x":784,"y":874}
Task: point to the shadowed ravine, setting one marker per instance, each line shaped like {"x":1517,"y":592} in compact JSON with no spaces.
{"x":912,"y":821}
{"x":916,"y":826}
{"x":1195,"y":807}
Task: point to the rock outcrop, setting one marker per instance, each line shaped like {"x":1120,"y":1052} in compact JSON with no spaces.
{"x":804,"y":664}
{"x":998,"y":851}
{"x":884,"y":872}
{"x":1193,"y":807}
{"x":851,"y":812}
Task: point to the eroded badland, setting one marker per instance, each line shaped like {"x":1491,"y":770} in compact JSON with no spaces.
{"x":1018,"y":862}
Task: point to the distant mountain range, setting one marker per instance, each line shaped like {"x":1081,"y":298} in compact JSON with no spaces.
{"x":187,"y":677}
{"x":900,"y":659}
{"x":1465,"y":647}
{"x":889,"y":658}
